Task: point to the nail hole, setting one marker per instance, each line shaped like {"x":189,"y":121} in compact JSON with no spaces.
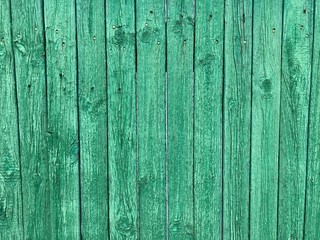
{"x":92,"y":88}
{"x":273,"y":30}
{"x":301,"y":27}
{"x":304,"y":10}
{"x":151,"y":12}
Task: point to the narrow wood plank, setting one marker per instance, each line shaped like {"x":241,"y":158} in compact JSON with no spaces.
{"x":295,"y":84}
{"x":151,"y":91}
{"x":28,"y":36}
{"x":93,"y":118}
{"x":122,"y":149}
{"x":11,"y":222}
{"x":267,"y":31}
{"x":312,"y":214}
{"x":237,"y":114}
{"x":62,"y":119}
{"x":208,"y":118}
{"x":180,"y":42}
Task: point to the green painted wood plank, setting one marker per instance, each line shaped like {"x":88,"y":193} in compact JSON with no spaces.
{"x":93,"y":118}
{"x":28,"y":35}
{"x":122,"y":149}
{"x":62,"y":119}
{"x":267,"y":30}
{"x":237,"y":111}
{"x":312,"y":214}
{"x":151,"y":92}
{"x":180,"y":42}
{"x":296,"y":66}
{"x":208,"y":118}
{"x":11,"y":221}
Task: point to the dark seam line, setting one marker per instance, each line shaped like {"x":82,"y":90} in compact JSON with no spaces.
{"x":78,"y":116}
{"x":279,"y":132}
{"x":308,"y":123}
{"x":46,"y":97}
{"x":107,"y":113}
{"x":136,"y":111}
{"x":193,"y":114}
{"x":222,"y":125}
{"x":46,"y":106}
{"x":251,"y":95}
{"x":18,"y":119}
{"x":166,"y":116}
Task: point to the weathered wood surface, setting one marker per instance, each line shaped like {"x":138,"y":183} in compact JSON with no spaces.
{"x":162,"y":119}
{"x":295,"y":89}
{"x":62,"y":119}
{"x":122,"y":120}
{"x":151,"y":118}
{"x":180,"y":90}
{"x":208,"y":117}
{"x":29,"y":48}
{"x":237,"y":118}
{"x":11,"y":214}
{"x":266,"y":80}
{"x":92,"y":95}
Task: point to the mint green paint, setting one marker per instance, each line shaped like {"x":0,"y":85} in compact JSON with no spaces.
{"x":177,"y":119}
{"x":151,"y":118}
{"x":266,"y":80}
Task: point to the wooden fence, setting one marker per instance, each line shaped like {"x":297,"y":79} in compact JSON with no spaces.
{"x":154,"y":119}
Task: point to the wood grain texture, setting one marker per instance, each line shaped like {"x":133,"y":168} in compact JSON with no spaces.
{"x":29,"y":48}
{"x":180,"y":40}
{"x":312,"y":214}
{"x":295,"y":85}
{"x":93,"y":118}
{"x":151,"y":92}
{"x":237,"y":114}
{"x":11,"y":217}
{"x":267,"y":31}
{"x":122,"y":147}
{"x":208,"y":118}
{"x":62,"y":119}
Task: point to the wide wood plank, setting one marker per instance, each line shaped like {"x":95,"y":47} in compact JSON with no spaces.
{"x":267,"y":31}
{"x":11,"y":221}
{"x":63,"y":142}
{"x":295,"y":84}
{"x":29,"y":46}
{"x":208,"y":118}
{"x":93,"y":118}
{"x":237,"y":115}
{"x":122,"y":149}
{"x":151,"y":89}
{"x":180,"y":82}
{"x":312,"y":214}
